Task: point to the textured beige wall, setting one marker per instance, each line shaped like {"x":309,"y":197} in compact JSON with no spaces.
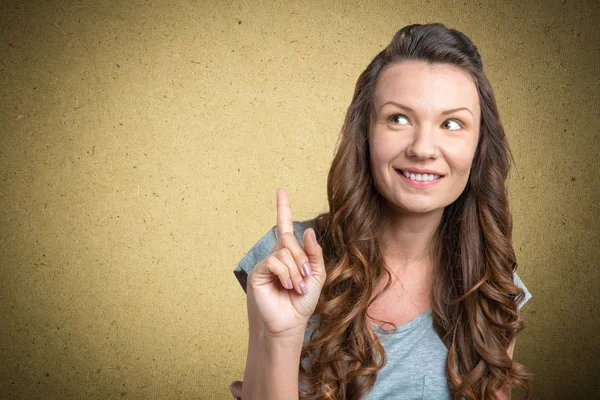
{"x":142,"y":144}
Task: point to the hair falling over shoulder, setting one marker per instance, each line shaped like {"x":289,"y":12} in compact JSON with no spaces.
{"x":474,"y":299}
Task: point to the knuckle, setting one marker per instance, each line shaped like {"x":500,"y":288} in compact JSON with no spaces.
{"x":282,"y":256}
{"x":285,"y":218}
{"x":285,"y":253}
{"x":293,"y":261}
{"x":269,"y":260}
{"x":286,"y":237}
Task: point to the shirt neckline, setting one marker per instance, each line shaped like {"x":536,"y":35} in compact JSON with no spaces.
{"x":413,"y":323}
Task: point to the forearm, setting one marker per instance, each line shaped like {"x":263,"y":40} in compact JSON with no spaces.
{"x":252,"y":363}
{"x":278,"y":367}
{"x":255,"y":326}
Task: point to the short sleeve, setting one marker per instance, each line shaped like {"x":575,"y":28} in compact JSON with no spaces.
{"x":263,"y":247}
{"x":259,"y":251}
{"x":520,"y":284}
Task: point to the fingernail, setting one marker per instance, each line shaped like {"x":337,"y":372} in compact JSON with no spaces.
{"x":307,"y":269}
{"x":290,"y":285}
{"x":312,"y":235}
{"x":303,"y":288}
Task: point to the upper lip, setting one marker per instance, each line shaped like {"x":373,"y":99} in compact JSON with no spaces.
{"x":420,"y":171}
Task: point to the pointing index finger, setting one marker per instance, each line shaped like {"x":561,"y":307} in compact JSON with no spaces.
{"x":284,"y":213}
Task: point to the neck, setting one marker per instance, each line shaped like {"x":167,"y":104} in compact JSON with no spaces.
{"x":407,"y":239}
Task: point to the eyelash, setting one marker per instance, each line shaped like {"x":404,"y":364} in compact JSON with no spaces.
{"x":449,"y":119}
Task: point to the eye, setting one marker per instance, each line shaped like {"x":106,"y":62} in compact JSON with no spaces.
{"x":457,"y":122}
{"x":397,"y":117}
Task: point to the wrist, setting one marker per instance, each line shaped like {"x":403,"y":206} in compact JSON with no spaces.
{"x":289,"y":338}
{"x":279,"y":365}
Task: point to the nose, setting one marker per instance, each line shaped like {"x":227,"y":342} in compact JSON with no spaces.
{"x":423,"y":145}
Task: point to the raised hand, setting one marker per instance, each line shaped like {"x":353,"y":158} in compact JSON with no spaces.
{"x":281,"y":288}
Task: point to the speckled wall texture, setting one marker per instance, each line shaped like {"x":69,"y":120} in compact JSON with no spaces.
{"x":143,"y":141}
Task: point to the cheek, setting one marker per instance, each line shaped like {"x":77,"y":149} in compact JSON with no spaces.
{"x":466,"y":162}
{"x":377,"y":154}
{"x":460,"y":155}
{"x":383,"y":149}
{"x":381,"y":155}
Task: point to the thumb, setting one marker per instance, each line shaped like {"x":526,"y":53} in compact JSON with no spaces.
{"x":314,"y":252}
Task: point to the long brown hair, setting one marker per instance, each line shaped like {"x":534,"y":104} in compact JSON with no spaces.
{"x":474,"y":298}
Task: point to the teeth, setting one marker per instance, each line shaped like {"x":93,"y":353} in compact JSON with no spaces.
{"x":420,"y":177}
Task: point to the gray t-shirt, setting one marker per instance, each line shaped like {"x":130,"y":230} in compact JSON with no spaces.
{"x":416,"y":357}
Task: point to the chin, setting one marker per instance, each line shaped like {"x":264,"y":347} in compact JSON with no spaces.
{"x":422,"y":210}
{"x":417,"y":209}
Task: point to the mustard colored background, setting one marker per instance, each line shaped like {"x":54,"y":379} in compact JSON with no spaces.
{"x":142,"y":143}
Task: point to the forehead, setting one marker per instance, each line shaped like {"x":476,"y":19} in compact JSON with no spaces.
{"x":426,"y":87}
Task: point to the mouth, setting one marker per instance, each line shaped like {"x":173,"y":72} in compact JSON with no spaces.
{"x":419,"y":177}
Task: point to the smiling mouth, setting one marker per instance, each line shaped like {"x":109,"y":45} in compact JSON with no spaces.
{"x":420,"y":177}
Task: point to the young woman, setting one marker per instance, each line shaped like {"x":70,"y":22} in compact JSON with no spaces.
{"x":407,"y":287}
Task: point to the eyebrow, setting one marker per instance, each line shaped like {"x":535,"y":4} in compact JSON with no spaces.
{"x":410,"y":109}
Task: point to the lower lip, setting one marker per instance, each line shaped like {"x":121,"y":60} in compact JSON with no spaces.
{"x":419,"y":184}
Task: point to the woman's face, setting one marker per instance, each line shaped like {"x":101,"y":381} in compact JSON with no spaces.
{"x":417,"y":130}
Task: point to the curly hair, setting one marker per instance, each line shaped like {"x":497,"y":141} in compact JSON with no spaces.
{"x":474,"y":298}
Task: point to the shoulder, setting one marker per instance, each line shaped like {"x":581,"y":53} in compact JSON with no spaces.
{"x":519,"y":283}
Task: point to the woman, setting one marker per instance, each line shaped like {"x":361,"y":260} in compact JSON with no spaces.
{"x":418,"y":237}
